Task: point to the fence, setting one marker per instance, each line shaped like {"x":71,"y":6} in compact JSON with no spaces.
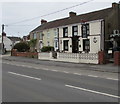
{"x":71,"y":57}
{"x":79,"y":57}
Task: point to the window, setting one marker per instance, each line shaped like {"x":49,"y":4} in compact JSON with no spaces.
{"x":86,"y":45}
{"x":56,"y":43}
{"x":48,"y":43}
{"x":75,"y":30}
{"x":85,"y":30}
{"x":48,"y":34}
{"x":55,"y":32}
{"x":41,"y":36}
{"x":41,"y":44}
{"x":65,"y":32}
{"x":34,"y":36}
{"x":65,"y":43}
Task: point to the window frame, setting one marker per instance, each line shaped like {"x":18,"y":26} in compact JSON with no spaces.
{"x":41,"y":36}
{"x":65,"y":31}
{"x":86,"y":45}
{"x":74,"y":31}
{"x":65,"y":43}
{"x":34,"y":36}
{"x":85,"y":30}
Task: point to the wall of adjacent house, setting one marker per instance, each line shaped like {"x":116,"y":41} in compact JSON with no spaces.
{"x":7,"y":43}
{"x":112,"y":22}
{"x":37,"y":37}
{"x":48,"y":37}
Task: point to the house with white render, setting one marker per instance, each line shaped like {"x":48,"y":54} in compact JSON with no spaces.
{"x":85,"y":33}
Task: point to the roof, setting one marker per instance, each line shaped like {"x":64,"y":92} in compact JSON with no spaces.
{"x":15,"y":38}
{"x":96,"y":15}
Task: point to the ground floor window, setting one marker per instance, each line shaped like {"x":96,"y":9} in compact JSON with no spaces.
{"x":86,"y":45}
{"x":48,"y":43}
{"x":41,"y":44}
{"x":56,"y":43}
{"x":65,"y":45}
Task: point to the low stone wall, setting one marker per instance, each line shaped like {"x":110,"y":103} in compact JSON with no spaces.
{"x":24,"y":54}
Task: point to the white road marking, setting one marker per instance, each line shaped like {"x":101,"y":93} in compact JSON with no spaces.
{"x":64,"y":71}
{"x":77,"y":73}
{"x":92,"y":76}
{"x":45,"y":69}
{"x":54,"y":70}
{"x":112,"y":79}
{"x":24,"y":75}
{"x":92,"y":91}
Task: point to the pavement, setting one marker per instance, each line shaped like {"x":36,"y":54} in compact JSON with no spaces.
{"x":111,"y":68}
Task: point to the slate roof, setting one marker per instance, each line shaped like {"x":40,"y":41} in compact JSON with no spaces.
{"x":15,"y":38}
{"x":96,"y":15}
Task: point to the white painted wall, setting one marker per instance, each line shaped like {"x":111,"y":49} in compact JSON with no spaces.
{"x":94,"y":47}
{"x":7,"y":43}
{"x":95,"y":32}
{"x":95,"y":28}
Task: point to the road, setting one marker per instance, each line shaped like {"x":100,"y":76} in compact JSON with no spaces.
{"x":24,"y":82}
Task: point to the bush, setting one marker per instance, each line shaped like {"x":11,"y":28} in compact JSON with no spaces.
{"x":47,"y":49}
{"x":21,"y":47}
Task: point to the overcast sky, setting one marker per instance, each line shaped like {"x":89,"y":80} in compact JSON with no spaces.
{"x":13,"y":12}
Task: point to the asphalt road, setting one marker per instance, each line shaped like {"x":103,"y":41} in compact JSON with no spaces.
{"x":28,"y":84}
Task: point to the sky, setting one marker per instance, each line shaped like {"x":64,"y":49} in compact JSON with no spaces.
{"x":13,"y":12}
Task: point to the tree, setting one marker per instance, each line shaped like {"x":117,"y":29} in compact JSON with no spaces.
{"x":32,"y":43}
{"x":22,"y":47}
{"x":47,"y":49}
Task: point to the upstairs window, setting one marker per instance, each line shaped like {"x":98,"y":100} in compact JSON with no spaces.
{"x":85,"y":30}
{"x":65,"y":32}
{"x":48,"y":34}
{"x":34,"y":36}
{"x":55,"y":32}
{"x":41,"y":36}
{"x":75,"y":30}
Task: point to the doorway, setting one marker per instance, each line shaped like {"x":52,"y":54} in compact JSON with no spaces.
{"x":75,"y":48}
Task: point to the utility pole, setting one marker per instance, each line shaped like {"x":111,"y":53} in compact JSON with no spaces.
{"x":2,"y":32}
{"x":2,"y":45}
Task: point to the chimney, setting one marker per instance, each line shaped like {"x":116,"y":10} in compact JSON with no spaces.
{"x":114,"y":5}
{"x":43,"y":21}
{"x":72,"y":14}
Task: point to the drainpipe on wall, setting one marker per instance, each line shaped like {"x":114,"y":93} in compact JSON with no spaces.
{"x":102,"y":39}
{"x":58,"y":40}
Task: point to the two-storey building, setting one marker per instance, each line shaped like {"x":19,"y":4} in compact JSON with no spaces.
{"x":89,"y":32}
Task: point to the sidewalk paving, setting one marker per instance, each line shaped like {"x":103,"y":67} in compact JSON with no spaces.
{"x":111,"y":68}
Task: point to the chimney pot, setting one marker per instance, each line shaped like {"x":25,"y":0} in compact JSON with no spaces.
{"x":72,"y":14}
{"x":43,"y":21}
